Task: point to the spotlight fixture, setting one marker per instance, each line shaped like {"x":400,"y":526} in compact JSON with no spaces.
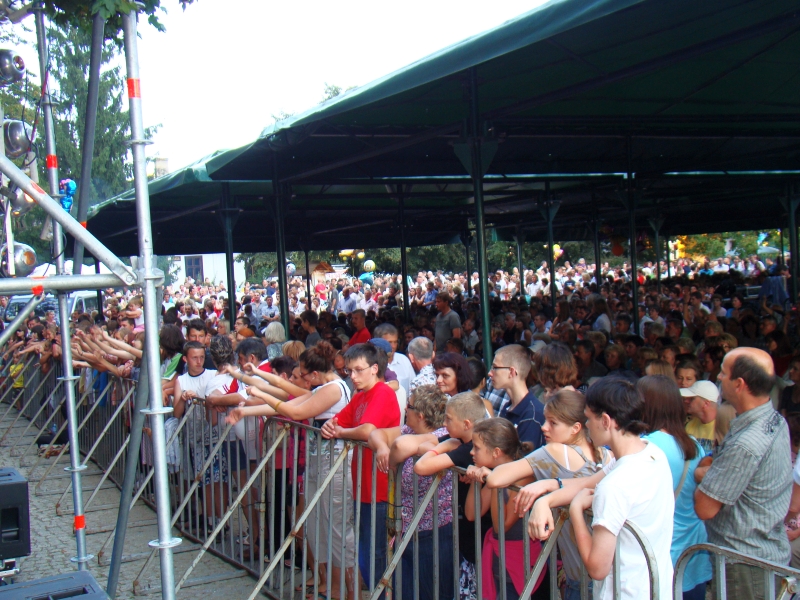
{"x":21,"y":203}
{"x":24,"y":260}
{"x":17,"y":138}
{"x":12,"y":67}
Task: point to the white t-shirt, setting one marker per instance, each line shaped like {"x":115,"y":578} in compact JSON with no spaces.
{"x":637,"y":488}
{"x":198,"y":385}
{"x":401,"y":367}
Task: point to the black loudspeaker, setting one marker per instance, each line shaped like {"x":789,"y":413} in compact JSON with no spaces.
{"x":15,"y":520}
{"x":79,"y":584}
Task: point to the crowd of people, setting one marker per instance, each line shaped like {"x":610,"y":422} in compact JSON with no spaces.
{"x":677,"y":411}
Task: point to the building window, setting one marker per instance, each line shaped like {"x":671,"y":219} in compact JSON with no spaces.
{"x":193,"y":266}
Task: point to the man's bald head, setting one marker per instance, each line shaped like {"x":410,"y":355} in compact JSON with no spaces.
{"x":754,"y":367}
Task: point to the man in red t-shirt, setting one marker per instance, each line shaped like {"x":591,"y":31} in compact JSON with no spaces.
{"x":373,"y":407}
{"x":359,"y":321}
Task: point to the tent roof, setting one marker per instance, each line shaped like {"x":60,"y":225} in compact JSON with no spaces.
{"x":701,"y":100}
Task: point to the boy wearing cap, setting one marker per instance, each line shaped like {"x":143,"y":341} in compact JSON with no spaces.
{"x":700,"y":400}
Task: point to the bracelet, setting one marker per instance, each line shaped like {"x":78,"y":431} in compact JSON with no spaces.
{"x":434,"y":451}
{"x":560,"y":483}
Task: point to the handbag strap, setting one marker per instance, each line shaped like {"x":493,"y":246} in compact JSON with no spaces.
{"x":683,"y":478}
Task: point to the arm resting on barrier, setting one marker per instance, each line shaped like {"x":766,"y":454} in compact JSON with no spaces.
{"x":550,"y":495}
{"x":332,"y":429}
{"x":597,"y":551}
{"x":412,"y":444}
{"x":509,"y":473}
{"x":379,"y":442}
{"x":437,"y":459}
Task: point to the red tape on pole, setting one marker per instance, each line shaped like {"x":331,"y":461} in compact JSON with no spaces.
{"x":38,"y":289}
{"x":84,"y":224}
{"x":134,"y":89}
{"x":52,"y":161}
{"x":80,"y":522}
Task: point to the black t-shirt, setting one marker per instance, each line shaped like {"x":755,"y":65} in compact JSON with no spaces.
{"x":461,"y":457}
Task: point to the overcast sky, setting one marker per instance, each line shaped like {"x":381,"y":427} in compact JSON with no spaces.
{"x":224,"y":67}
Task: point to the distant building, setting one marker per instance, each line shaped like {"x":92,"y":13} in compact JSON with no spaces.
{"x":211,"y":267}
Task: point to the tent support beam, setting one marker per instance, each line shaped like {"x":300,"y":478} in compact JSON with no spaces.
{"x":596,"y":240}
{"x":631,"y":202}
{"x":308,"y":279}
{"x":401,"y":205}
{"x":477,"y":170}
{"x":549,"y":210}
{"x":280,"y":249}
{"x":791,"y":206}
{"x":466,"y":240}
{"x":229,"y":215}
{"x":519,"y":238}
{"x":656,"y":224}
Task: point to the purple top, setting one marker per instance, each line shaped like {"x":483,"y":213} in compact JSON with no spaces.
{"x":445,"y":491}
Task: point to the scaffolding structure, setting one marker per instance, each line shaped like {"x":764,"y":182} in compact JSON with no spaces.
{"x":144,"y":274}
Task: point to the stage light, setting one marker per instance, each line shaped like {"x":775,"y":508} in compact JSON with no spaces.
{"x":12,"y":67}
{"x":21,"y":203}
{"x":17,"y":137}
{"x":24,"y":260}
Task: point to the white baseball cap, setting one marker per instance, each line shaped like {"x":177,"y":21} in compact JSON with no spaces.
{"x":704,"y":389}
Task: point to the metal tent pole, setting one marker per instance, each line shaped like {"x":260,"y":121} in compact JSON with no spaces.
{"x":280,"y":248}
{"x":666,"y":247}
{"x":793,"y":201}
{"x":466,"y":239}
{"x":403,"y":254}
{"x":129,"y":480}
{"x":632,"y":236}
{"x":519,"y":238}
{"x":597,"y":258}
{"x":230,"y":214}
{"x":89,"y":126}
{"x":480,"y":223}
{"x":656,"y":224}
{"x":549,"y":211}
{"x":99,"y":291}
{"x":150,"y":278}
{"x":308,"y":278}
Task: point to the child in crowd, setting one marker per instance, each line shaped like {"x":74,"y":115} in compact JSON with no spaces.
{"x":568,"y":454}
{"x":374,"y":406}
{"x":495,"y":442}
{"x":463,"y":412}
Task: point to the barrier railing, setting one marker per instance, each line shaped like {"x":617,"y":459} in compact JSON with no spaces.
{"x":278,"y":501}
{"x":787,"y":578}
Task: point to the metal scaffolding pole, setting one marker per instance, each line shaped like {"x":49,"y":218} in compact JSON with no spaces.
{"x":89,"y":126}
{"x":476,"y":171}
{"x":466,"y":240}
{"x":519,"y":238}
{"x":151,"y":277}
{"x":68,"y":378}
{"x":308,"y":278}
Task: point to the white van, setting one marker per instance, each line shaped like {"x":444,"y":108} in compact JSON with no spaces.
{"x":82,"y":301}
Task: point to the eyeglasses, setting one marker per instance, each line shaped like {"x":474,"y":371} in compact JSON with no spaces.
{"x":495,"y":368}
{"x":410,"y":407}
{"x":304,"y":375}
{"x":359,"y":371}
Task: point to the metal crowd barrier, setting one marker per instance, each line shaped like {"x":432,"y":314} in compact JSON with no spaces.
{"x":722,"y":557}
{"x":276,"y":500}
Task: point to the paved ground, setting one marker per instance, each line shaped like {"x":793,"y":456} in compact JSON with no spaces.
{"x":53,"y":543}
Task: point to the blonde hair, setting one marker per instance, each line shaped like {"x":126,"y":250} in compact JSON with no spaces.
{"x":467,"y":406}
{"x":659,"y":367}
{"x":294,"y":349}
{"x":725,"y":414}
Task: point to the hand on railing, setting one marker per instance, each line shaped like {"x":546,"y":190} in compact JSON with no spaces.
{"x":331,"y":429}
{"x":234,"y":416}
{"x":532,"y":492}
{"x":477,"y":474}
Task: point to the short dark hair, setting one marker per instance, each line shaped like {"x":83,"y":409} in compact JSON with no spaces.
{"x":689,"y":362}
{"x":252,"y":346}
{"x":310,"y":317}
{"x":372,"y":354}
{"x":243,"y":319}
{"x":283,"y":364}
{"x":620,"y":400}
{"x":193,"y":346}
{"x":197,"y":325}
{"x":587,"y":345}
{"x":755,"y":377}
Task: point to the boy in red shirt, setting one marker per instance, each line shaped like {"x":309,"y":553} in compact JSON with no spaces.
{"x":373,"y":407}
